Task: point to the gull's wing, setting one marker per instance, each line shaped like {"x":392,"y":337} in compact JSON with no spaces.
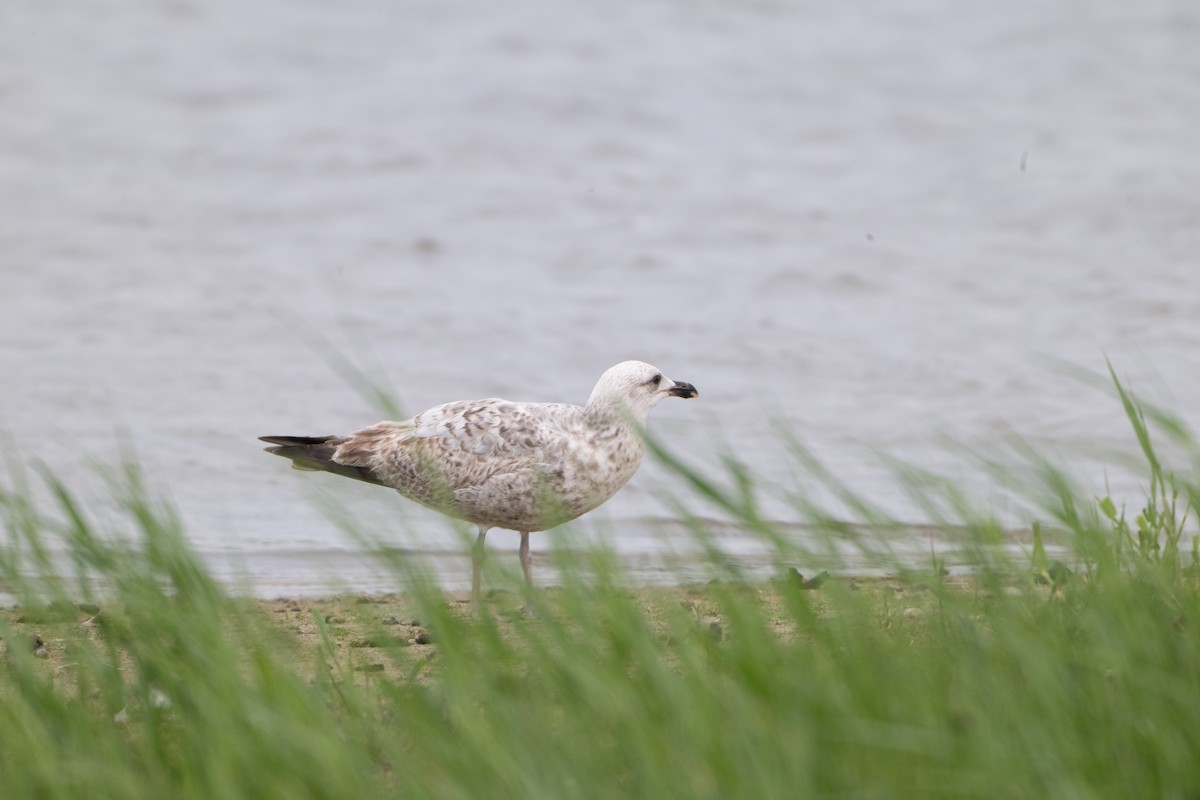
{"x":458,"y":446}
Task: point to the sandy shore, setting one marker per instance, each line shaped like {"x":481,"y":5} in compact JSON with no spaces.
{"x":385,"y":635}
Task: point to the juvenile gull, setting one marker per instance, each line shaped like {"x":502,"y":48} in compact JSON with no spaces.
{"x":498,"y":464}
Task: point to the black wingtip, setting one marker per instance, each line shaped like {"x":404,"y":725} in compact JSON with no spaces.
{"x":292,"y":441}
{"x":315,"y":454}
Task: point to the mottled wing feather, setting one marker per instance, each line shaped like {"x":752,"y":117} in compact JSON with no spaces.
{"x":443,"y":456}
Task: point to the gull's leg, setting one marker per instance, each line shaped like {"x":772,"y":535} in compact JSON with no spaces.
{"x":478,"y":554}
{"x":526,"y":559}
{"x":527,"y":568}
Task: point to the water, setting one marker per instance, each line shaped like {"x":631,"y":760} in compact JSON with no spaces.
{"x":880,"y":223}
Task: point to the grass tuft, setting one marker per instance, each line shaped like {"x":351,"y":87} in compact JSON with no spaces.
{"x":1065,"y":678}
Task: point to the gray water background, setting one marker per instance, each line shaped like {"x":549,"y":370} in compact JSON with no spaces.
{"x":881,"y":224}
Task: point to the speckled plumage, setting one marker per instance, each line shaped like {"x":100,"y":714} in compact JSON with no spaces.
{"x":521,"y":466}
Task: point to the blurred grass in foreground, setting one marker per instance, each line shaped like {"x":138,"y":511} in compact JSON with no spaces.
{"x":1075,"y":679}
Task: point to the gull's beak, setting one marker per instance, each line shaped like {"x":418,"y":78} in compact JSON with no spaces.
{"x":684,"y":390}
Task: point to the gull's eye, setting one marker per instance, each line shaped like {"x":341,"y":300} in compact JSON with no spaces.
{"x":655,"y":381}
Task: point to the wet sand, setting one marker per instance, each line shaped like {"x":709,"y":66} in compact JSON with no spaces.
{"x":383,"y":635}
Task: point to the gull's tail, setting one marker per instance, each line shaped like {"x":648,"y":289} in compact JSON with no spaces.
{"x":315,"y":454}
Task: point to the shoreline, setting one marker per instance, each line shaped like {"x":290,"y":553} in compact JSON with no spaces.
{"x":673,"y":557}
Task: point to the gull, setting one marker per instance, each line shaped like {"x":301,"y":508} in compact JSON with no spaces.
{"x":524,"y":467}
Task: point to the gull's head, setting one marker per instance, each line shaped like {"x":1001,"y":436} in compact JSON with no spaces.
{"x":634,"y":388}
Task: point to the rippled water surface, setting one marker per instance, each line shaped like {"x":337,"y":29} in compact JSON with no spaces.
{"x":872,"y":222}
